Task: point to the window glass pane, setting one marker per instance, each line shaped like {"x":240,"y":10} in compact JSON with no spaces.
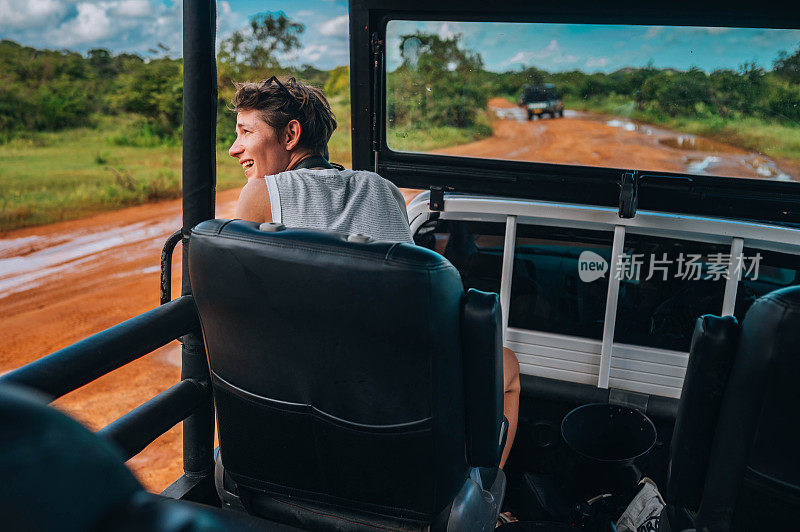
{"x":665,"y":285}
{"x":547,"y":293}
{"x":714,"y":101}
{"x":474,"y":248}
{"x":560,"y":280}
{"x":763,"y":272}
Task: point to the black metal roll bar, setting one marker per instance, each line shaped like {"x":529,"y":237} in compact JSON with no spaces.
{"x":80,"y":363}
{"x":199,"y":183}
{"x":189,"y":400}
{"x":141,"y":426}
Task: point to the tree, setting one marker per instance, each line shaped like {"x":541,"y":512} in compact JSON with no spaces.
{"x":154,"y":91}
{"x":269,"y":35}
{"x":788,"y":66}
{"x":339,"y":82}
{"x":438,"y":83}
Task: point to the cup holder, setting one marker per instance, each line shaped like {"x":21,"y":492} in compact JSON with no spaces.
{"x":604,"y":441}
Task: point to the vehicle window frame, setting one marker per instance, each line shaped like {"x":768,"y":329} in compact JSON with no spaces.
{"x":736,"y":198}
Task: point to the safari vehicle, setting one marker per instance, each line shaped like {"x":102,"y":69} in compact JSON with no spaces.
{"x":356,"y":383}
{"x":540,"y":100}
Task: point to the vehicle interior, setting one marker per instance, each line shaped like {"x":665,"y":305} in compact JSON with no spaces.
{"x":357,"y":385}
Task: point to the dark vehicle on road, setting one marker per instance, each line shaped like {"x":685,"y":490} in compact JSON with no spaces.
{"x":357,"y":385}
{"x":541,"y":100}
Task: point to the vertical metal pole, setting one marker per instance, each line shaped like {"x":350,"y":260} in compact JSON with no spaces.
{"x":509,"y":248}
{"x":199,"y":181}
{"x":734,"y":275}
{"x":612,"y":297}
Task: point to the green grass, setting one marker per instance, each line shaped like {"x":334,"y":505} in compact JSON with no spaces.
{"x":50,"y":177}
{"x":768,"y":137}
{"x":425,"y":138}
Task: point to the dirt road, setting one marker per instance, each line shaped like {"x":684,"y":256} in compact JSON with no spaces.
{"x":63,"y":282}
{"x":598,"y":140}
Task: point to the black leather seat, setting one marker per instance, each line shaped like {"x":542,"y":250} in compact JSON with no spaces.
{"x":711,"y":356}
{"x":356,"y":384}
{"x":56,"y":475}
{"x":753,"y":479}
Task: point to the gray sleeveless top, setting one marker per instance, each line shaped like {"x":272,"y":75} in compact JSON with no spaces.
{"x":346,"y":201}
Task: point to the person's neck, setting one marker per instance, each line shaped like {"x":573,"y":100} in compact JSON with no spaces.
{"x":296,"y":157}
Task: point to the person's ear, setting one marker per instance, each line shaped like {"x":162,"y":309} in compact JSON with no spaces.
{"x":292,"y":135}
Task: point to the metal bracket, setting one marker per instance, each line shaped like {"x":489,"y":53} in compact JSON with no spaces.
{"x":376,"y":44}
{"x":166,"y":266}
{"x":638,"y":401}
{"x":628,"y":194}
{"x":437,"y":198}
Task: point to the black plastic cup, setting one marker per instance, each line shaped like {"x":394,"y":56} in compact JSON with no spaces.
{"x":606,"y":439}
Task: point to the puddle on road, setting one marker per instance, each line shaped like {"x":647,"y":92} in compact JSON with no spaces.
{"x":705,"y":156}
{"x":689,"y":142}
{"x":701,"y":166}
{"x":709,"y":154}
{"x":520,"y":115}
{"x":765,"y":167}
{"x":22,"y":269}
{"x":510,"y":113}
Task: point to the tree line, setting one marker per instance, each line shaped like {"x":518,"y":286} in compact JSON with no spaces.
{"x":439,"y":83}
{"x":50,"y":90}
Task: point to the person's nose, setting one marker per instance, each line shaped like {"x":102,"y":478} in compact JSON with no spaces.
{"x":235,"y":149}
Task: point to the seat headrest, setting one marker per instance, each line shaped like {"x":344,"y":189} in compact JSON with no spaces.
{"x":268,"y":237}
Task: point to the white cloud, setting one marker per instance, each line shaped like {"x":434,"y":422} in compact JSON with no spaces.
{"x":27,"y":13}
{"x":446,"y":32}
{"x":92,"y":24}
{"x":547,"y":57}
{"x":336,"y":26}
{"x":133,"y":8}
{"x":596,"y":62}
{"x":313,"y":53}
{"x":520,"y":57}
{"x":653,"y":31}
{"x":304,"y":13}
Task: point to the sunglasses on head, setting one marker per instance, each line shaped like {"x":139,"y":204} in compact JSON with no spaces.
{"x":294,"y":103}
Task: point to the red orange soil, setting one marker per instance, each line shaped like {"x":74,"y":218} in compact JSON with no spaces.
{"x":589,"y":139}
{"x":85,"y":276}
{"x":62,"y":282}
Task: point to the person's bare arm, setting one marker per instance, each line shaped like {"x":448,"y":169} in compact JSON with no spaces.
{"x":511,"y":393}
{"x":253,"y":204}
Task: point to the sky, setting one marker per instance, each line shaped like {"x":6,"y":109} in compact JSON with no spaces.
{"x":138,"y":26}
{"x":602,"y":48}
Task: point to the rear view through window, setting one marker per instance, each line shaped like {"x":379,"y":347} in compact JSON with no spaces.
{"x":690,"y":100}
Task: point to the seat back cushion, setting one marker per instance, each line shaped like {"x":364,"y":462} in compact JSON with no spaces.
{"x":753,"y":480}
{"x":711,"y":356}
{"x":336,"y":366}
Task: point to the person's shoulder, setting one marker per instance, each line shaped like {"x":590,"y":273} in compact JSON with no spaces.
{"x":372,"y":177}
{"x":254,"y":203}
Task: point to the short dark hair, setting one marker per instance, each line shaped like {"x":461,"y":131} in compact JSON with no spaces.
{"x":278,"y":107}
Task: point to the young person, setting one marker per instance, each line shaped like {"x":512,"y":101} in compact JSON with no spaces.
{"x":282,"y":133}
